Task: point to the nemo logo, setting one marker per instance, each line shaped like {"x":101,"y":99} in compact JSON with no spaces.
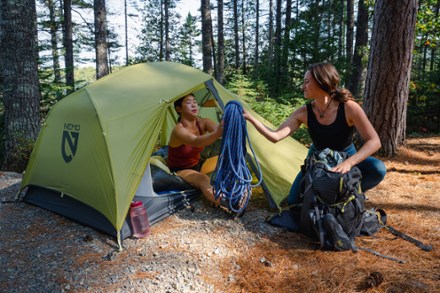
{"x":69,"y":143}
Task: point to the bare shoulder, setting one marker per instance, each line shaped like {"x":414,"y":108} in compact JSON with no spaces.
{"x":354,"y":112}
{"x":353,"y":108}
{"x":350,"y":104}
{"x":180,"y":132}
{"x":178,"y":126}
{"x":202,"y":120}
{"x":300,"y":114}
{"x":206,"y":124}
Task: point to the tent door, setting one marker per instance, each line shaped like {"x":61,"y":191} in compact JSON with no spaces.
{"x":214,"y":92}
{"x":145,"y":188}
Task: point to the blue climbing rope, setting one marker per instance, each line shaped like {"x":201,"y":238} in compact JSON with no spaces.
{"x":232,"y":178}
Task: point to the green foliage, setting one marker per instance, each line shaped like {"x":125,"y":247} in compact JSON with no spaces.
{"x":271,"y":110}
{"x":189,"y":32}
{"x":85,"y":75}
{"x":274,"y":111}
{"x":152,"y":35}
{"x":428,"y":24}
{"x":52,"y":91}
{"x":242,"y":86}
{"x":424,"y":105}
{"x":19,"y":157}
{"x":272,"y":92}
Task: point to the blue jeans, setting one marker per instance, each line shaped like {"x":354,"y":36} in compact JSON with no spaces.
{"x":373,"y":171}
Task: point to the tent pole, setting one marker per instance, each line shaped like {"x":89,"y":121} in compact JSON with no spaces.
{"x":214,"y":91}
{"x":119,"y":241}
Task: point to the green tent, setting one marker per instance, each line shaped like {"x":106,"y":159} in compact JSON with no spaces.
{"x":95,"y":146}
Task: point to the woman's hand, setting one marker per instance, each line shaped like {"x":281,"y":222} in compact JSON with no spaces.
{"x":343,"y":167}
{"x":219,"y":130}
{"x":247,"y":115}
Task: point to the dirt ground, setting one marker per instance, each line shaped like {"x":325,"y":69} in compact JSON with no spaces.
{"x":206,"y":251}
{"x":410,"y":195}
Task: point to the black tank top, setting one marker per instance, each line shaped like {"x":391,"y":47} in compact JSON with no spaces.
{"x":336,"y":136}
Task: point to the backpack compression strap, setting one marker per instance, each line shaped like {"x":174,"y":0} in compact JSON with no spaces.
{"x":425,"y":247}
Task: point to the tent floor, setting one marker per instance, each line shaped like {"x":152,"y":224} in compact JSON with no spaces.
{"x":158,"y":207}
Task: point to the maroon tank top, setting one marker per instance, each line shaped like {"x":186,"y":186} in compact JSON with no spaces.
{"x":184,"y":156}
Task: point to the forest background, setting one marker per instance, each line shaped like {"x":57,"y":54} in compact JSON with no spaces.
{"x":386,"y":54}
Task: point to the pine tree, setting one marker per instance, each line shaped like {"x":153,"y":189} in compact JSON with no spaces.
{"x":189,"y":33}
{"x":153,"y":35}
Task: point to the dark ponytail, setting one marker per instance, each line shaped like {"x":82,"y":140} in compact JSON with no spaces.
{"x":178,"y":103}
{"x":327,"y":77}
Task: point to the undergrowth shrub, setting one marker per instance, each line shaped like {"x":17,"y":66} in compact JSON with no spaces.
{"x":274,"y":111}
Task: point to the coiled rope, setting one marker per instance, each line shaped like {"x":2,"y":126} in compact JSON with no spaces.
{"x":232,"y":178}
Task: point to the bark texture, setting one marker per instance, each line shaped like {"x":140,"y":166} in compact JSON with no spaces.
{"x":101,"y":39}
{"x":21,"y":94}
{"x":207,"y":37}
{"x":389,"y":68}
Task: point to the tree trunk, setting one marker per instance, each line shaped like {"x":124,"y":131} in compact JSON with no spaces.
{"x":389,"y":69}
{"x":357,"y":80}
{"x":21,"y":95}
{"x":270,"y":41}
{"x":350,"y":31}
{"x":101,"y":39}
{"x":341,"y":29}
{"x":161,"y":39}
{"x":294,"y":50}
{"x":277,"y":49}
{"x":243,"y":38}
{"x":220,"y":44}
{"x":316,"y":37}
{"x":206,"y":36}
{"x":54,"y":41}
{"x":424,"y":59}
{"x":257,"y":38}
{"x":286,"y":43}
{"x":433,"y":48}
{"x":236,"y":37}
{"x":213,"y":53}
{"x":68,"y":45}
{"x":167,"y":31}
{"x":126,"y":32}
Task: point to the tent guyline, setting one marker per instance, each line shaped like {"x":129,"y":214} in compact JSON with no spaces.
{"x":232,"y":178}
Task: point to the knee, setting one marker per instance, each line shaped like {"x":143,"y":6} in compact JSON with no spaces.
{"x":373,"y":174}
{"x":372,"y":167}
{"x":293,"y":196}
{"x":204,"y":181}
{"x":380,"y":169}
{"x":195,"y":179}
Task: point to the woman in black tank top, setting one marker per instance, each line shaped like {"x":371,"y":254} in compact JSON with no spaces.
{"x":331,"y":118}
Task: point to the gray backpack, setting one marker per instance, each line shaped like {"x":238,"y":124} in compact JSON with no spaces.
{"x":332,"y":208}
{"x":332,"y":203}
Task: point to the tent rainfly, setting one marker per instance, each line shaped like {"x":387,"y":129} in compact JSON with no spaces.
{"x":92,"y":157}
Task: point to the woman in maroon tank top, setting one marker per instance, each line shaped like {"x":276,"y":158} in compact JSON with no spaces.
{"x":331,"y":118}
{"x":188,"y":138}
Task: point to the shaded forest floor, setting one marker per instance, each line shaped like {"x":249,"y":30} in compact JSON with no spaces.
{"x":206,"y":251}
